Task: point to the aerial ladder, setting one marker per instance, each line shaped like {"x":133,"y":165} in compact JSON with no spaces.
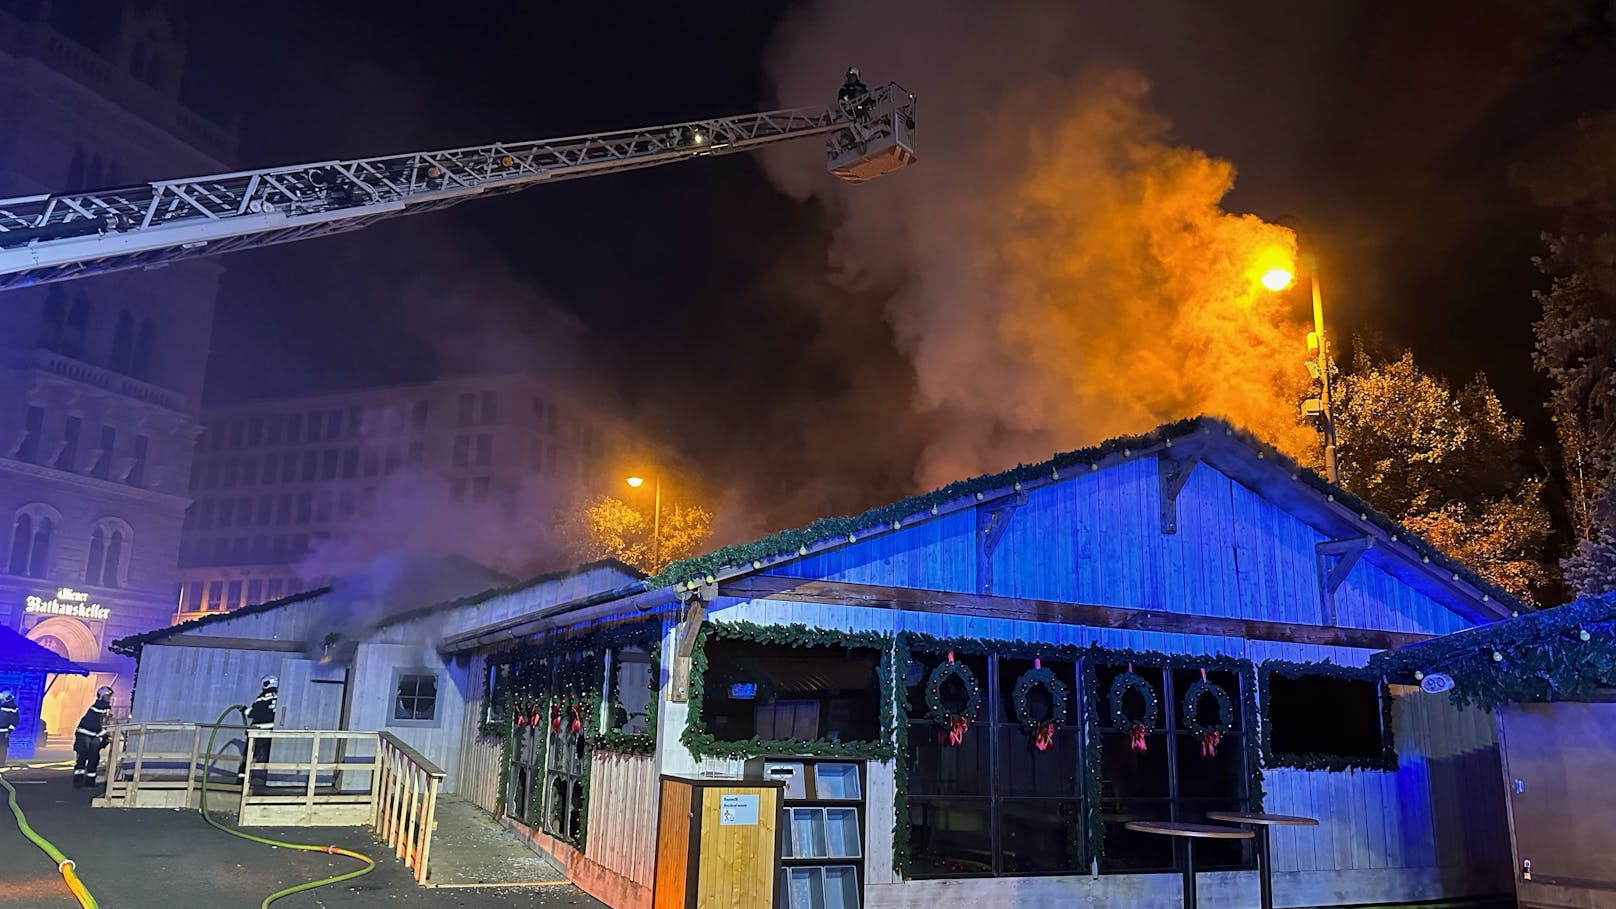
{"x":61,"y":236}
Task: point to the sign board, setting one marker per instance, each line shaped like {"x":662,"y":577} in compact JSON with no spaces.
{"x":1436,"y":683}
{"x":66,"y":601}
{"x":738,"y":810}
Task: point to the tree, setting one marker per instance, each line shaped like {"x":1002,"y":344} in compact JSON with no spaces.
{"x":612,"y":528}
{"x":1576,"y":349}
{"x":1446,"y":464}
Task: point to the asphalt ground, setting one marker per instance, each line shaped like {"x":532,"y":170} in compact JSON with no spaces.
{"x":171,"y":859}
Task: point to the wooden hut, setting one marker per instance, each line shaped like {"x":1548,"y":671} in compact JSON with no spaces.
{"x":26,"y":669}
{"x":1550,"y":679}
{"x":971,"y":692}
{"x":968,"y":694}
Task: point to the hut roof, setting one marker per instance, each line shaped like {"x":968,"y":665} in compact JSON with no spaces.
{"x":18,"y":652}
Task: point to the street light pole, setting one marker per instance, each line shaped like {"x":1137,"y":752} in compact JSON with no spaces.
{"x":1327,"y":410}
{"x":656,"y":512}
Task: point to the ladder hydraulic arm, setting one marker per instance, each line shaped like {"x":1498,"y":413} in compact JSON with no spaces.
{"x":57,"y":237}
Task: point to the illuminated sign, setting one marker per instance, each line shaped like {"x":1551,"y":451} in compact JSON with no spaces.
{"x":743,"y":691}
{"x":67,"y":601}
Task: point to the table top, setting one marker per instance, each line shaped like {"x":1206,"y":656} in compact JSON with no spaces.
{"x":1265,"y":820}
{"x":1205,"y":831}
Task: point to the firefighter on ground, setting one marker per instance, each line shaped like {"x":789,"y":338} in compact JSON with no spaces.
{"x":261,"y":715}
{"x":8,"y":721}
{"x":90,"y":738}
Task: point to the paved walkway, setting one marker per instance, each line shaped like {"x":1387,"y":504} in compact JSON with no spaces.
{"x":171,"y":859}
{"x":469,"y":847}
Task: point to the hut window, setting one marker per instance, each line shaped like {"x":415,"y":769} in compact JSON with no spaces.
{"x":497,"y":690}
{"x":775,"y":691}
{"x":994,"y":804}
{"x":1173,"y":778}
{"x":416,"y":699}
{"x":631,"y":687}
{"x":1314,"y":715}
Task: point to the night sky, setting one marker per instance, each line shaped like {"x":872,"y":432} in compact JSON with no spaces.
{"x":705,"y":297}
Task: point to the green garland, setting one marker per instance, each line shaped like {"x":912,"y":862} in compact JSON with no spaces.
{"x":900,"y":765}
{"x":1190,"y":711}
{"x":1039,"y":675}
{"x":1120,"y":686}
{"x":939,"y":713}
{"x":1559,"y":654}
{"x":1328,"y":763}
{"x":1095,"y":656}
{"x":704,"y":744}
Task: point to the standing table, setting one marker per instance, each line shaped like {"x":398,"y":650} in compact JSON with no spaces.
{"x":1186,"y":832}
{"x":1262,"y":822}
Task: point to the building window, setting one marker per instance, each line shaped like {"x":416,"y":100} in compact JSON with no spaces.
{"x":311,"y":466}
{"x":233,"y":598}
{"x":67,"y":458}
{"x":227,"y":511}
{"x":106,"y":556}
{"x":33,"y":428}
{"x":191,"y":601}
{"x":372,"y":463}
{"x":294,"y":428}
{"x":345,"y":504}
{"x":350,"y":463}
{"x":354,"y":418}
{"x":479,"y":489}
{"x":305,"y":507}
{"x":462,"y":451}
{"x":288,"y":467}
{"x":322,"y":506}
{"x":272,"y":430}
{"x":210,"y":476}
{"x":1355,"y":732}
{"x":489,"y":407}
{"x":204,"y":514}
{"x":255,"y":431}
{"x":485,"y":450}
{"x":266,"y":510}
{"x":137,"y":472}
{"x":333,"y":425}
{"x":283,"y":510}
{"x":103,"y":458}
{"x":255,"y":592}
{"x":630,"y":710}
{"x":272,"y":590}
{"x":415,"y":700}
{"x":249,"y":470}
{"x":804,"y":693}
{"x":215,"y":595}
{"x":31,"y":534}
{"x":140,"y":362}
{"x":468,"y":404}
{"x":314,"y":427}
{"x":328,"y":464}
{"x":123,"y":342}
{"x":232,"y":472}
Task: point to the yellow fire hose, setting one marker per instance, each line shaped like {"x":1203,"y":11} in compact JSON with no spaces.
{"x":63,"y":863}
{"x":207,"y":765}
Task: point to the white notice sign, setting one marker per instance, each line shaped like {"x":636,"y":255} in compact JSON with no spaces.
{"x":738,"y":810}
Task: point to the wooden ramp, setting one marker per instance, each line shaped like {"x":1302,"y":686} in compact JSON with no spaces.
{"x":471,"y":849}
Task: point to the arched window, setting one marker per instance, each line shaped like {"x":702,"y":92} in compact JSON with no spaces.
{"x":55,"y":322}
{"x":78,"y":325}
{"x":140,"y":363}
{"x":31,"y":533}
{"x":22,"y":541}
{"x":123,"y":340}
{"x":39,"y":559}
{"x":104,"y":566}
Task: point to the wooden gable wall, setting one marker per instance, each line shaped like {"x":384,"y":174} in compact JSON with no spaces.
{"x":1096,"y":538}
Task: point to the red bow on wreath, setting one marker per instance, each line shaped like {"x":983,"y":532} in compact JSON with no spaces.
{"x":577,"y":718}
{"x":555,"y":718}
{"x":1211,"y":737}
{"x":1044,"y":736}
{"x":521,"y":713}
{"x":1136,"y":736}
{"x":956,"y":730}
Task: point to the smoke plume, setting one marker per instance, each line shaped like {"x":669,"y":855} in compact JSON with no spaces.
{"x":1064,"y":271}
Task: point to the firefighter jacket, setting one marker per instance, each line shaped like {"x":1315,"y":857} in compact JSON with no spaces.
{"x":8,"y":718}
{"x":261,"y":714}
{"x":90,"y":732}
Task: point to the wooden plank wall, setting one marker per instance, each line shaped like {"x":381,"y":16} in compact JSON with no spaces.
{"x":371,"y":702}
{"x":481,"y":757}
{"x":193,"y":684}
{"x":623,"y":815}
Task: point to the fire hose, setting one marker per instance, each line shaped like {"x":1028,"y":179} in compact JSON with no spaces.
{"x":207,"y":766}
{"x":63,"y":863}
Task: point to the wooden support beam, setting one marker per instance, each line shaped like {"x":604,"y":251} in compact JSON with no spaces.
{"x":1336,"y":558}
{"x":910,"y":599}
{"x":186,"y":640}
{"x":1173,"y":469}
{"x":992,"y":520}
{"x":685,"y":640}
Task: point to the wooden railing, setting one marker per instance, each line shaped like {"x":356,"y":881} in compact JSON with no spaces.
{"x":407,"y":802}
{"x":311,"y":778}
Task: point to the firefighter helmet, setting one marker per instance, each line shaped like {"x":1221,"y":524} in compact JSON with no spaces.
{"x":104,"y":693}
{"x":271,"y":682}
{"x":6,"y":696}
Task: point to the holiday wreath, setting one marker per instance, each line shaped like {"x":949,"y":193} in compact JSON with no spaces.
{"x":1211,"y":733}
{"x":953,"y":722}
{"x":1042,"y":730}
{"x":1137,"y":729}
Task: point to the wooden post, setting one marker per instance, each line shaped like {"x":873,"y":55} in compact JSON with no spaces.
{"x":246,"y":774}
{"x":314,"y":772}
{"x":426,"y":829}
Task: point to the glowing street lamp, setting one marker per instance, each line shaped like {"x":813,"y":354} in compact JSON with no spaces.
{"x":1277,"y":279}
{"x":656,"y":517}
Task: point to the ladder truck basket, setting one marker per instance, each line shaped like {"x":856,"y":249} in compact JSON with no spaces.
{"x":879,"y":137}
